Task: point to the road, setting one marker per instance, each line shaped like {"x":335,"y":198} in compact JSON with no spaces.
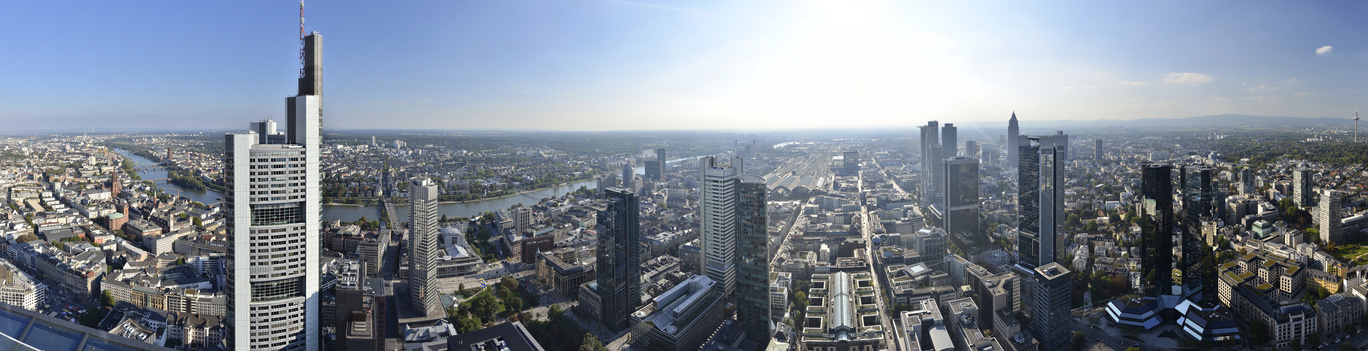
{"x":890,"y":336}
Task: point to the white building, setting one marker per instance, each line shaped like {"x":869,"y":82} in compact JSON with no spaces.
{"x":423,"y":248}
{"x":272,"y":210}
{"x":719,"y":219}
{"x":20,"y":289}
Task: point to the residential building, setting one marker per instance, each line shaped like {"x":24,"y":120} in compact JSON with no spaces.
{"x":19,"y":288}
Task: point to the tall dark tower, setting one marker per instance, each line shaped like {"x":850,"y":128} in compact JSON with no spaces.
{"x":1156,"y":246}
{"x":1200,"y":203}
{"x":950,"y":141}
{"x":1012,"y":132}
{"x":618,"y":266}
{"x":752,"y":259}
{"x":1040,"y":199}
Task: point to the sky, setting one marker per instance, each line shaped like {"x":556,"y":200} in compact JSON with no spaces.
{"x":658,"y":65}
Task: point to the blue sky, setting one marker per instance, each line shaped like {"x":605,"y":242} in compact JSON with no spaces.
{"x":592,"y":65}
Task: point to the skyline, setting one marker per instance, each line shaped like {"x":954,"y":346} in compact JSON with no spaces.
{"x":647,"y":66}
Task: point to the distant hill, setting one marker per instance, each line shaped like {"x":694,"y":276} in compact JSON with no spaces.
{"x":1227,"y":120}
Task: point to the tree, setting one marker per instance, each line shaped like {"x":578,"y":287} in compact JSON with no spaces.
{"x":1258,"y":333}
{"x":1079,"y":341}
{"x":198,"y":222}
{"x":1315,"y":340}
{"x":466,"y":325}
{"x":106,"y":299}
{"x":591,"y":343}
{"x":1134,"y":348}
{"x":483,"y":305}
{"x":92,"y":317}
{"x":1346,"y":347}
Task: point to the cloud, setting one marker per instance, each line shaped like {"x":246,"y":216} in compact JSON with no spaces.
{"x":1187,"y":78}
{"x":1324,"y":50}
{"x":1133,"y":83}
{"x":1261,"y":87}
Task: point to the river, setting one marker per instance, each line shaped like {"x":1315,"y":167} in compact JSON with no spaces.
{"x":354,"y":212}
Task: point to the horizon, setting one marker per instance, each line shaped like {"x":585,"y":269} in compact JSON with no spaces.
{"x":643,"y":66}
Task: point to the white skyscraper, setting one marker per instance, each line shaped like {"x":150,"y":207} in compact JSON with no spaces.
{"x":272,"y":211}
{"x":719,"y":219}
{"x":423,"y":248}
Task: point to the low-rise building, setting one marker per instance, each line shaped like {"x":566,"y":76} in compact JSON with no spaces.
{"x":681,"y":318}
{"x":842,"y":314}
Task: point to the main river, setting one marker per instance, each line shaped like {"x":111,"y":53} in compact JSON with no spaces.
{"x":354,"y":212}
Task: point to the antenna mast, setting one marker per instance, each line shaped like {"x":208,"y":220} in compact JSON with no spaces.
{"x":301,"y":38}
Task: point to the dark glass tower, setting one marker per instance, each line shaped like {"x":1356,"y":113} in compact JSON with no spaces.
{"x":1200,"y":203}
{"x":1156,"y":247}
{"x":961,"y":195}
{"x":752,"y":259}
{"x":1040,"y":198}
{"x":619,"y":250}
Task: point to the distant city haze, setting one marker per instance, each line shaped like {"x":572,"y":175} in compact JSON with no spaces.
{"x":639,"y":65}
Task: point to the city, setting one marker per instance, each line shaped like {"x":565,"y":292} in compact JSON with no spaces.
{"x":1013,"y":232}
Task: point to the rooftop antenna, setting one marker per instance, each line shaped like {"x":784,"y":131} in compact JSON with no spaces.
{"x":301,"y":38}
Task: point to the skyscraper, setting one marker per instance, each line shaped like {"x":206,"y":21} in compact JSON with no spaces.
{"x":1040,"y":199}
{"x":619,"y":263}
{"x":660,"y":155}
{"x":423,"y":249}
{"x":1098,"y":149}
{"x":950,"y":141}
{"x":961,"y":196}
{"x":718,"y":207}
{"x":272,"y":266}
{"x":1301,"y":187}
{"x":1246,"y":181}
{"x":1328,"y":216}
{"x":930,"y":138}
{"x":971,"y":148}
{"x":752,"y":256}
{"x":1201,"y":202}
{"x":1013,"y":131}
{"x":1156,"y":245}
{"x":1050,"y":309}
{"x":628,"y":174}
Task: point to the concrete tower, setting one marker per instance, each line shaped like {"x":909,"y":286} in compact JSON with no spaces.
{"x":423,"y":247}
{"x":1301,"y":187}
{"x":949,"y":141}
{"x":1050,"y":306}
{"x":752,"y":259}
{"x":1328,"y":216}
{"x":273,"y":260}
{"x":718,"y":206}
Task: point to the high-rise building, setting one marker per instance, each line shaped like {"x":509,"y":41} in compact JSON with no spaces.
{"x":930,"y":141}
{"x":628,"y":175}
{"x":1062,"y":146}
{"x":423,"y":247}
{"x":660,"y":155}
{"x":718,"y":204}
{"x":619,"y":250}
{"x":1246,"y":181}
{"x":1040,"y":199}
{"x":653,"y":171}
{"x":522,"y":220}
{"x":961,"y":196}
{"x":850,"y":162}
{"x":1156,"y":245}
{"x":1050,"y":310}
{"x":752,"y":258}
{"x":1328,"y":216}
{"x":1013,"y":131}
{"x":949,"y":141}
{"x":971,"y":148}
{"x":1301,"y":187}
{"x":273,"y":262}
{"x":1098,"y":149}
{"x":1201,"y":203}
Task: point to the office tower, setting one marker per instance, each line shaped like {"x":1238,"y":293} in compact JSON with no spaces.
{"x":718,"y":204}
{"x":930,"y":139}
{"x":1246,"y":181}
{"x":971,"y":148}
{"x":752,"y":259}
{"x":1097,"y":149}
{"x":1040,"y":199}
{"x":628,"y":171}
{"x":266,"y":131}
{"x":850,"y":162}
{"x":619,"y":262}
{"x":423,"y":248}
{"x":1013,"y":131}
{"x":1156,"y":245}
{"x":522,"y":220}
{"x":1050,"y":309}
{"x":1062,"y":146}
{"x":1328,"y":216}
{"x":660,"y":155}
{"x":961,"y":196}
{"x":1301,"y":187}
{"x":1201,"y":203}
{"x":949,"y":141}
{"x":272,"y":266}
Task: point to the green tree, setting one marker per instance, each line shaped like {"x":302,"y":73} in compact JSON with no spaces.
{"x":1134,"y":348}
{"x":197,"y":221}
{"x":1314,"y":340}
{"x":466,"y":325}
{"x":1258,"y":333}
{"x":106,"y":299}
{"x":1078,"y":342}
{"x":92,"y":317}
{"x":591,"y":343}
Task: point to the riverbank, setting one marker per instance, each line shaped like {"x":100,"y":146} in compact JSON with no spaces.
{"x":373,"y":201}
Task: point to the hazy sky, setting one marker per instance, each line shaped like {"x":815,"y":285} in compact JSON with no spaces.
{"x":676,"y":65}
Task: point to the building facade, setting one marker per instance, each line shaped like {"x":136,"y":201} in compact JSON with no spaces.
{"x":961,"y":196}
{"x":618,"y":267}
{"x":752,"y":256}
{"x":1040,"y":198}
{"x":423,"y":247}
{"x":718,"y":207}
